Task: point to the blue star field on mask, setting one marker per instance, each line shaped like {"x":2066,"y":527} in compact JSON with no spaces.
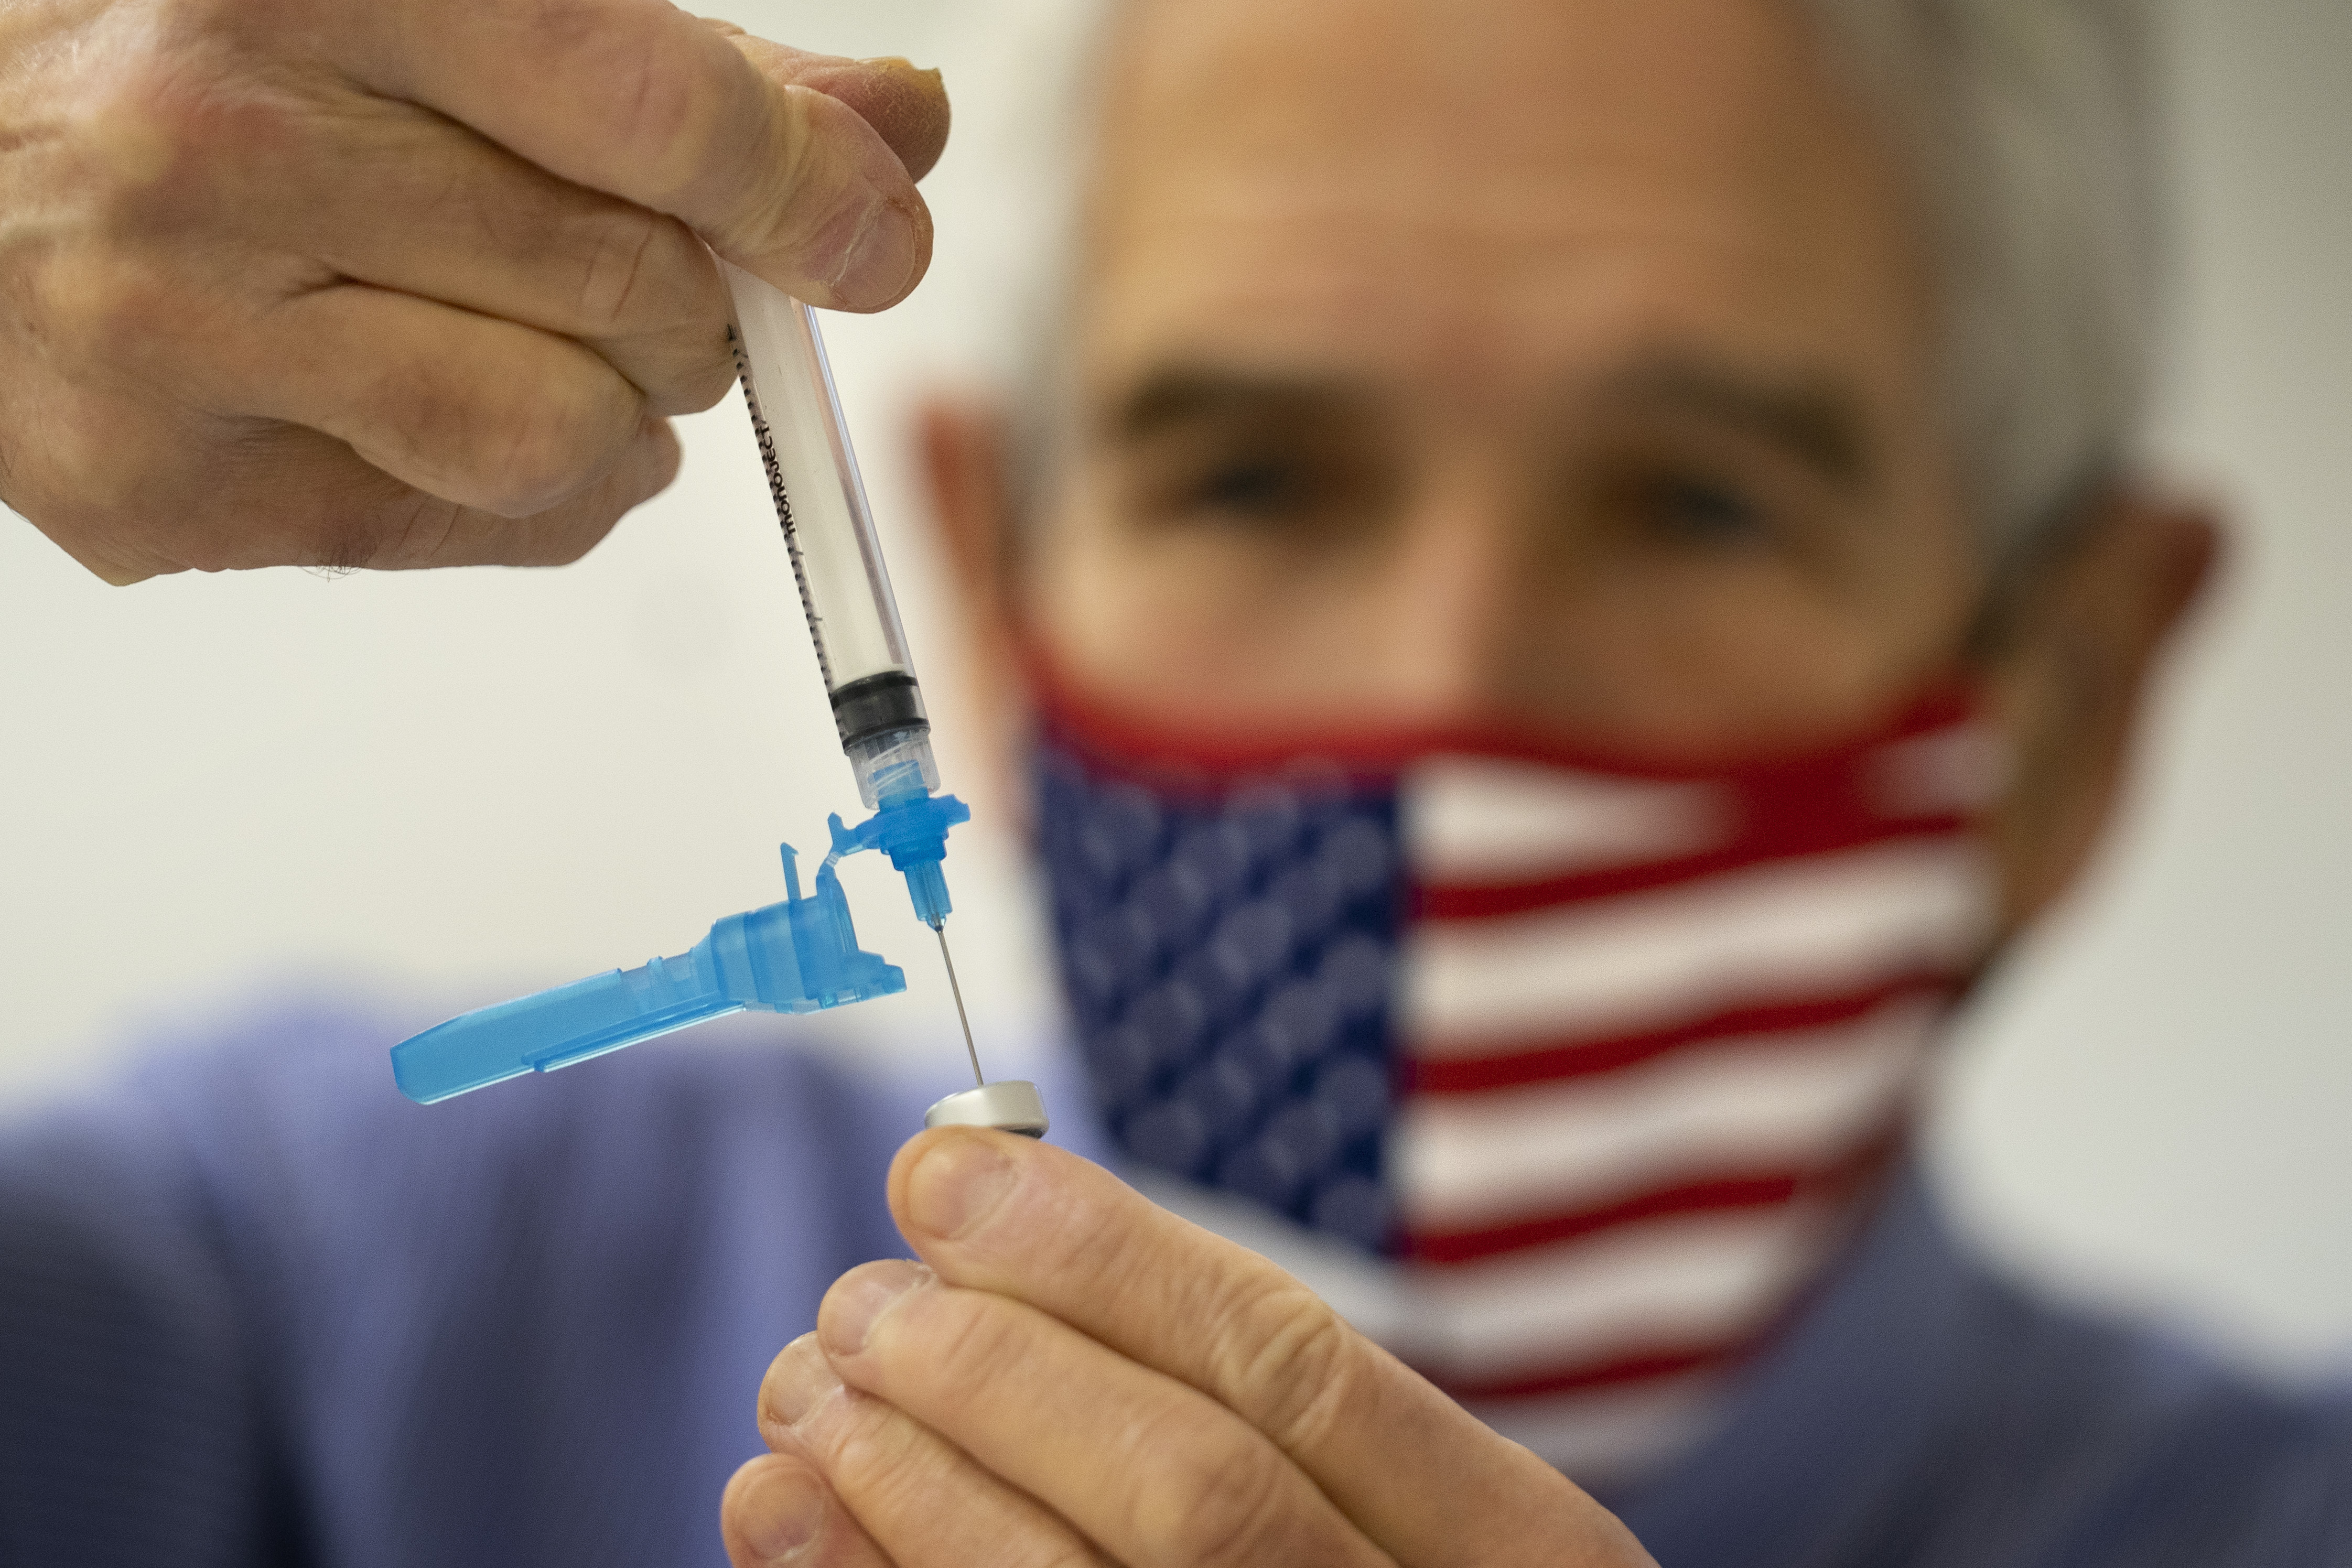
{"x":1228,"y":954}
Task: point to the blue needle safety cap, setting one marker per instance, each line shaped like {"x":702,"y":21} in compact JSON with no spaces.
{"x":796,"y":957}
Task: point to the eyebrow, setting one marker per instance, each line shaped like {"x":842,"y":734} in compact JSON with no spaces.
{"x":1186,"y":394}
{"x":1816,"y":420}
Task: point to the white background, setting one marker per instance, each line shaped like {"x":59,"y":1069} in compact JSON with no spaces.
{"x":433,"y":789}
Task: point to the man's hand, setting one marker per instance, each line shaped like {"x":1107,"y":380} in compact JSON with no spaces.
{"x":1081,"y":1377}
{"x":401,"y":283}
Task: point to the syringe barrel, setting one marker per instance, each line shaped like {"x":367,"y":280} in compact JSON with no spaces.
{"x":829,"y":530}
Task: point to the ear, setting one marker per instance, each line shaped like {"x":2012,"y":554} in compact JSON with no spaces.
{"x":2069,"y":679}
{"x":966,"y":451}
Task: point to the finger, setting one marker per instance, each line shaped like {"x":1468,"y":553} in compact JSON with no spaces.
{"x":409,"y":529}
{"x":392,"y":195}
{"x":923,"y":1501}
{"x":637,"y":98}
{"x":905,"y":105}
{"x":281,"y":495}
{"x":1152,"y":1471}
{"x":1035,"y":1223}
{"x":779,"y":1509}
{"x":487,"y":413}
{"x":353,"y":515}
{"x":168,"y":452}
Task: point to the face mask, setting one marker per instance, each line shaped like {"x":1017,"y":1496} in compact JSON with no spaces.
{"x":1563,"y":1075}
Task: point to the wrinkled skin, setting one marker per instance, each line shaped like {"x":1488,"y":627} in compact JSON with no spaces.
{"x":1073,"y":1375}
{"x":1558,"y":363}
{"x":342,"y":283}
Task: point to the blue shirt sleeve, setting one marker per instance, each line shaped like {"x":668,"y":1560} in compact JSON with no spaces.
{"x":132,"y":1426}
{"x":259,"y":1309}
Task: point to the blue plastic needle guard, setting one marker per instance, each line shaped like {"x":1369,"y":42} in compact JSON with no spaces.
{"x":791,"y":957}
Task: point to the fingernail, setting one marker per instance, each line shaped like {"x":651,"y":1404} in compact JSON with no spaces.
{"x":900,"y":66}
{"x":801,"y":1380}
{"x":860,"y":1297}
{"x":879,"y":257}
{"x":959,"y":1180}
{"x":781,"y":1512}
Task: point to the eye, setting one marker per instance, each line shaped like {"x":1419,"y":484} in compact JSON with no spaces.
{"x":1251,"y":487}
{"x":1691,"y":509}
{"x":1270,"y":480}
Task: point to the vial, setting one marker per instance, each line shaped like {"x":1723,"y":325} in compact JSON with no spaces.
{"x":1009,"y":1105}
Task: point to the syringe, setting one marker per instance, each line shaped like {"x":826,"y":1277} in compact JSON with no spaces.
{"x":853,"y":616}
{"x":861,"y":648}
{"x":801,"y":955}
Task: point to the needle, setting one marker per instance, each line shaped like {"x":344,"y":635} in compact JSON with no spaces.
{"x":939,"y":930}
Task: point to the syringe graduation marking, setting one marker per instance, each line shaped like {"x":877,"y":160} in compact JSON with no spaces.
{"x":783,"y":504}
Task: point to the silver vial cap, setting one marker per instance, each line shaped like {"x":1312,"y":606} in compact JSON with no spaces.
{"x":1012,"y":1105}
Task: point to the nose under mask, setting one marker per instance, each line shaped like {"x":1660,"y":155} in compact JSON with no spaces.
{"x":1570,"y":1072}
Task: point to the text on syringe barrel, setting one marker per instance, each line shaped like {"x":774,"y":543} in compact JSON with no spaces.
{"x":844,"y":588}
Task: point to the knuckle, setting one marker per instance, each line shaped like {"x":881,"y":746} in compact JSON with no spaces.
{"x":645,"y":283}
{"x":178,"y":133}
{"x":804,"y":161}
{"x":870,"y":1440}
{"x":656,"y":108}
{"x":143,"y":120}
{"x":108,"y":311}
{"x":898,"y":1469}
{"x":805,"y":187}
{"x":546,"y":449}
{"x":966,"y":1335}
{"x":1294,"y":1362}
{"x":659,"y":116}
{"x":615,"y":278}
{"x":102,"y":318}
{"x":1222,"y":1503}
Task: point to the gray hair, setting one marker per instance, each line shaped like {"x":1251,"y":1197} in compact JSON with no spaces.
{"x":2028,"y":125}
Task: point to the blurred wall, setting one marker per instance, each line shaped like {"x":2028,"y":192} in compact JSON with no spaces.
{"x":435,"y":790}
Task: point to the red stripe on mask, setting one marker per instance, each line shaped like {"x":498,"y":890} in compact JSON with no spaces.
{"x":1614,"y":1372}
{"x":1550,"y":1062}
{"x":1833,"y":828}
{"x":1719,"y":1195}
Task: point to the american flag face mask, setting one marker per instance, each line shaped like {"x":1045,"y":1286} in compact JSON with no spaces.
{"x":1563,"y":1075}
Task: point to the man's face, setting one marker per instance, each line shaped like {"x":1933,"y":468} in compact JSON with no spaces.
{"x":1565,"y":362}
